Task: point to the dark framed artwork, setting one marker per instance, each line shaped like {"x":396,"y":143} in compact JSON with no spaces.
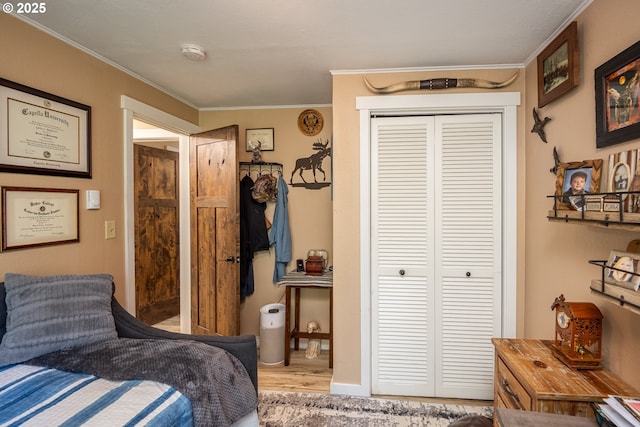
{"x":38,"y":217}
{"x":44,"y":134}
{"x":559,"y":66}
{"x":616,"y":90}
{"x":576,"y":179}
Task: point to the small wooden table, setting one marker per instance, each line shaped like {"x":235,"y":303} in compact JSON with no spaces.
{"x":297,"y":281}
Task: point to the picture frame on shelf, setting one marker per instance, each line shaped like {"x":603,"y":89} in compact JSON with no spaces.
{"x":574,"y":180}
{"x":263,"y":136}
{"x":616,"y":93}
{"x":34,"y":217}
{"x":43,"y":133}
{"x":559,"y":66}
{"x":624,"y":176}
{"x":622,"y":269}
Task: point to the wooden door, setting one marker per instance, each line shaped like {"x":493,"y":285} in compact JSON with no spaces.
{"x":215,"y":232}
{"x":157,"y":263}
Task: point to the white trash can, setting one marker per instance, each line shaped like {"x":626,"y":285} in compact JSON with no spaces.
{"x":272,"y":318}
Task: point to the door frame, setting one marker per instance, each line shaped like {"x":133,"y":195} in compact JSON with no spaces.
{"x":134,"y":109}
{"x":505,"y":103}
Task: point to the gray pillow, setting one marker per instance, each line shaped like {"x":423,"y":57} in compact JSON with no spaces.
{"x":49,"y":313}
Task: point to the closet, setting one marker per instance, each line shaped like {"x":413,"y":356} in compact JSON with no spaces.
{"x":436,"y":253}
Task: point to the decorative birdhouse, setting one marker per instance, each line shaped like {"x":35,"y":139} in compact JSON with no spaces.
{"x":578,"y":340}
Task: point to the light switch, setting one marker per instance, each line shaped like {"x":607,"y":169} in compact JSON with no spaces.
{"x":110,"y":229}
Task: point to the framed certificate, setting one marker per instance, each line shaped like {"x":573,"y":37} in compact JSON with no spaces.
{"x":41,"y":133}
{"x":260,"y":138}
{"x":38,"y":217}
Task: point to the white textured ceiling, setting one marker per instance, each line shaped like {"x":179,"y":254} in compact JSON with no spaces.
{"x":282,"y":52}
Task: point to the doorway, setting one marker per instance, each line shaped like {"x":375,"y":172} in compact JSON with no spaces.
{"x":156,"y":225}
{"x":162,"y":122}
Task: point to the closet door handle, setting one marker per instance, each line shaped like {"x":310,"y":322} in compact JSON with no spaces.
{"x":402,"y":272}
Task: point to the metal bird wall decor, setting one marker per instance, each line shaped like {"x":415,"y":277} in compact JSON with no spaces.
{"x":439,"y":83}
{"x":556,"y":162}
{"x":539,"y":124}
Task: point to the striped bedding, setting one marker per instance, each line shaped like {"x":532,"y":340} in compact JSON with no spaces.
{"x":37,"y":396}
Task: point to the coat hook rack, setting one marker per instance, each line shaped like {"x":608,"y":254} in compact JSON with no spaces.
{"x":260,"y":168}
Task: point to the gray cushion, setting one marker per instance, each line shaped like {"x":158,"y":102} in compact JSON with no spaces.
{"x":49,"y":313}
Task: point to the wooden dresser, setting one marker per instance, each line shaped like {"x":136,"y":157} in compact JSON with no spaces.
{"x":529,"y":377}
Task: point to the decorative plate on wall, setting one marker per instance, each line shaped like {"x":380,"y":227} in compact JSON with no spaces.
{"x":310,"y":122}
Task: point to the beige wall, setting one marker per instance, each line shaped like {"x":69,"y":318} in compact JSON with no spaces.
{"x":310,"y":211}
{"x":557,"y":254}
{"x":55,"y":67}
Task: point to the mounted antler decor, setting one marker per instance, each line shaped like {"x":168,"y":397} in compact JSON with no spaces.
{"x":439,"y":83}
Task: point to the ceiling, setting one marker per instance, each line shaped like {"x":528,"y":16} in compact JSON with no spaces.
{"x":283,"y":52}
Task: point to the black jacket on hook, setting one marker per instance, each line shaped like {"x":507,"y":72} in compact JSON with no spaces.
{"x":253,"y":235}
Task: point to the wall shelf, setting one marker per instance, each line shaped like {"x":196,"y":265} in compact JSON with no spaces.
{"x":260,"y":168}
{"x":625,"y":298}
{"x":618,"y":219}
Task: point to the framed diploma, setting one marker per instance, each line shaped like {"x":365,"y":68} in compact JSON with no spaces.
{"x":260,"y":138}
{"x":44,"y":134}
{"x":38,"y":217}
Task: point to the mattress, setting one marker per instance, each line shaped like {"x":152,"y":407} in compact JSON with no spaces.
{"x":37,"y":396}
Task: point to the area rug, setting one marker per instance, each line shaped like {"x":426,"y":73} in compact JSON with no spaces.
{"x":279,"y":409}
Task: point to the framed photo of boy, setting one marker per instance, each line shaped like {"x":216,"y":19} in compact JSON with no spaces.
{"x":622,"y":270}
{"x":616,"y":87}
{"x":576,"y":179}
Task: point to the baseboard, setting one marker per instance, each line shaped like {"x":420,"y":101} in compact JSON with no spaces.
{"x":348,"y":389}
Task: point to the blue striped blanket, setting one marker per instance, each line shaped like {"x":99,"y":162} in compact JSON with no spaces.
{"x":37,"y":396}
{"x":215,"y":382}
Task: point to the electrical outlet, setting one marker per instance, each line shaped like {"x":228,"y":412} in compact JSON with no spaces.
{"x":110,"y":229}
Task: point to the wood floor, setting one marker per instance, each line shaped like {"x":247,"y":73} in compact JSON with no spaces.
{"x":302,"y":375}
{"x":314,"y":376}
{"x":309,"y":375}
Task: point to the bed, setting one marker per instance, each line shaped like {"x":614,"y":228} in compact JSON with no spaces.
{"x":70,"y":354}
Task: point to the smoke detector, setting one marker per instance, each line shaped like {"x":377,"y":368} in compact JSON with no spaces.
{"x":193,"y":52}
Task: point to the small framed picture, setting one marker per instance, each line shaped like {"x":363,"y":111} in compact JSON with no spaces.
{"x":260,"y":138}
{"x":622,"y":270}
{"x":574,"y":181}
{"x":558,"y":66}
{"x":623,"y":177}
{"x":594,"y":203}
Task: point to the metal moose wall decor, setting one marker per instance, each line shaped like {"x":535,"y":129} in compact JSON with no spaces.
{"x":312,"y":163}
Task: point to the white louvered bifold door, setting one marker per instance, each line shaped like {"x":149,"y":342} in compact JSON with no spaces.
{"x":402,"y":262}
{"x":436,"y":257}
{"x":468,"y":255}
